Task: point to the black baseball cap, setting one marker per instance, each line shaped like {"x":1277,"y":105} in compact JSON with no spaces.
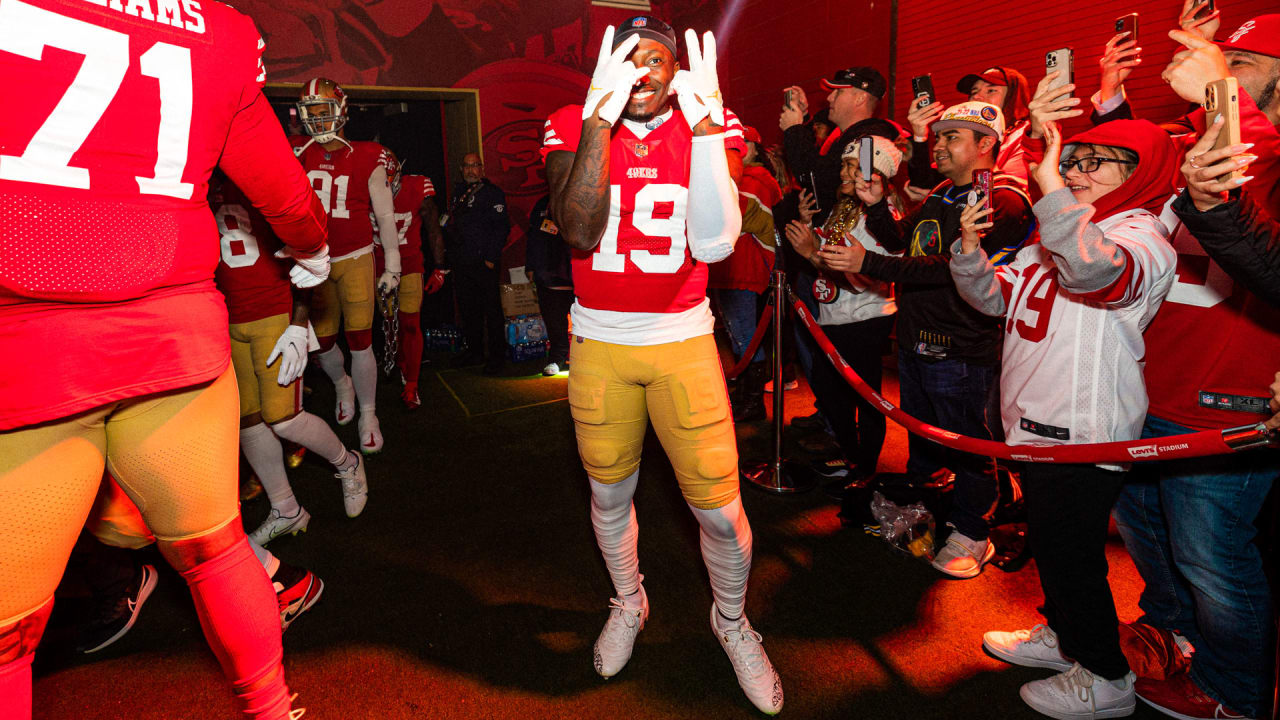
{"x":861,"y":77}
{"x":646,"y":27}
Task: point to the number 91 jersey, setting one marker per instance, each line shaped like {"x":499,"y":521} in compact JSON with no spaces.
{"x":341,"y":181}
{"x":642,"y":266}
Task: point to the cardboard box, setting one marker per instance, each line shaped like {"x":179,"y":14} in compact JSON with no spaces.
{"x":519,"y":300}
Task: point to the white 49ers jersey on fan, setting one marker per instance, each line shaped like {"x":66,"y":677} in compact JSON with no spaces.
{"x":1072,"y":369}
{"x":640,"y":285}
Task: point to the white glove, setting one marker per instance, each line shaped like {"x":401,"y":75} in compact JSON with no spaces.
{"x":614,"y":77}
{"x":699,"y":86}
{"x":388,"y":282}
{"x":307,"y":272}
{"x":291,"y":348}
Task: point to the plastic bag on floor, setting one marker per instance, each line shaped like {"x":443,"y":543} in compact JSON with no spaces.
{"x":908,"y":528}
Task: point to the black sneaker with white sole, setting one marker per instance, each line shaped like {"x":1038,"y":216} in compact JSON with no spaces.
{"x":114,"y":617}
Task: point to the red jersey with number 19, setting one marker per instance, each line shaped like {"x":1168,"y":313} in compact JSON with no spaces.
{"x":341,"y":181}
{"x":107,"y":245}
{"x":642,"y":266}
{"x":253,"y":280}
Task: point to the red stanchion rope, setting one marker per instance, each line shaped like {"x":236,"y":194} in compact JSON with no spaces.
{"x":752,"y":346}
{"x":1197,"y":444}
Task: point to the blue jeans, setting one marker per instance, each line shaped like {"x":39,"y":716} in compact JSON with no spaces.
{"x":805,"y":346}
{"x":1189,"y":526}
{"x":952,"y":394}
{"x":738,"y":311}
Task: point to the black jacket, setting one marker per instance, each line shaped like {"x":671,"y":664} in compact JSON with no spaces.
{"x":478,"y":225}
{"x":933,"y":320}
{"x":546,"y":255}
{"x":801,"y":153}
{"x":1242,"y":238}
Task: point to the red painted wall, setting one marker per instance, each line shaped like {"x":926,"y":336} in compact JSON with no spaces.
{"x":770,"y":45}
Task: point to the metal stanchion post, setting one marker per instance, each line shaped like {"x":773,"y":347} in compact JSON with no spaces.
{"x":775,"y":476}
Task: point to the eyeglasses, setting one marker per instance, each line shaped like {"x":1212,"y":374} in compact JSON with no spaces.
{"x":473,"y":165}
{"x":1089,"y":164}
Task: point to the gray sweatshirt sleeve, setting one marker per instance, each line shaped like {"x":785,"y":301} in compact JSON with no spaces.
{"x":1087,"y":260}
{"x":975,"y":279}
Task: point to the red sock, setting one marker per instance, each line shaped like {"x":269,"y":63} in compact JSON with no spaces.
{"x":410,"y":345}
{"x":17,"y":649}
{"x":241,"y":621}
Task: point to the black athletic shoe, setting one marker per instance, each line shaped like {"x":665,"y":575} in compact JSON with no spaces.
{"x":115,"y":616}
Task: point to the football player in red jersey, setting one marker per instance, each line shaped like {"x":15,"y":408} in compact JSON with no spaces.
{"x":642,"y":192}
{"x":113,"y":336}
{"x":352,"y":182}
{"x":414,"y":210}
{"x":269,"y":326}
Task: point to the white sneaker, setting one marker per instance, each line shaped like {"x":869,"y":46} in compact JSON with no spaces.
{"x":355,"y":487}
{"x":962,"y":556}
{"x":370,"y":433}
{"x":613,"y":647}
{"x":276,"y":525}
{"x":1076,"y":693}
{"x":755,"y":673}
{"x":551,"y":369}
{"x":1037,"y":647}
{"x":345,"y":409}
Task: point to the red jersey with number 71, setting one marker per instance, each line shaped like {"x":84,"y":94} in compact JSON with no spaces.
{"x":642,"y":263}
{"x":107,"y":244}
{"x":341,"y":180}
{"x":253,"y":280}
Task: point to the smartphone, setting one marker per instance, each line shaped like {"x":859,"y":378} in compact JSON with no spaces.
{"x":1204,"y":10}
{"x":866,"y":157}
{"x":786,"y":98}
{"x":982,"y":188}
{"x":922,"y":89}
{"x":813,"y":190}
{"x":1222,"y":97}
{"x":1062,"y":60}
{"x":1129,"y":24}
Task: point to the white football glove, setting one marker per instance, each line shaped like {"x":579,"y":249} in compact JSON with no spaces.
{"x":388,"y":282}
{"x":310,"y":271}
{"x":613,"y":79}
{"x":291,"y":348}
{"x":699,"y":86}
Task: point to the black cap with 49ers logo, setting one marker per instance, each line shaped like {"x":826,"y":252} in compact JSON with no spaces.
{"x":646,"y":27}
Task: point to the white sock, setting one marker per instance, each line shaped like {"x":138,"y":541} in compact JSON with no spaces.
{"x":315,"y":435}
{"x":331,"y":361}
{"x":364,"y":373}
{"x":270,"y":562}
{"x":613,"y":515}
{"x":262,"y":449}
{"x":726,"y":549}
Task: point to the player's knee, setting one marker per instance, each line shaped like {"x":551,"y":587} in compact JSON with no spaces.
{"x":275,"y":416}
{"x":248,"y":421}
{"x":326,"y":342}
{"x":188,"y":552}
{"x":409,"y":321}
{"x":359,"y":339}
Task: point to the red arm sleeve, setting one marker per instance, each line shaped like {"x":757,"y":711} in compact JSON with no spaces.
{"x":258,"y":159}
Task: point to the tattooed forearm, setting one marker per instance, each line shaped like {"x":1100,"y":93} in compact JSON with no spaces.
{"x":580,"y":187}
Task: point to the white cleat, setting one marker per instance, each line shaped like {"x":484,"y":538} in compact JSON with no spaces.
{"x":276,"y":525}
{"x":613,"y":647}
{"x":755,"y":673}
{"x":345,"y":409}
{"x":355,"y":487}
{"x":370,"y":434}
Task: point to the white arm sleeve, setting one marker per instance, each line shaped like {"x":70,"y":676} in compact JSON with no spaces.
{"x":714,"y":218}
{"x":384,"y":212}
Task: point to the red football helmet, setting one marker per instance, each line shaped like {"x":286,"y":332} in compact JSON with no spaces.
{"x":394,"y":171}
{"x":322,"y":109}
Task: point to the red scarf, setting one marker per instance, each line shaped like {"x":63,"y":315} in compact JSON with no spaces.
{"x":1152,"y":181}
